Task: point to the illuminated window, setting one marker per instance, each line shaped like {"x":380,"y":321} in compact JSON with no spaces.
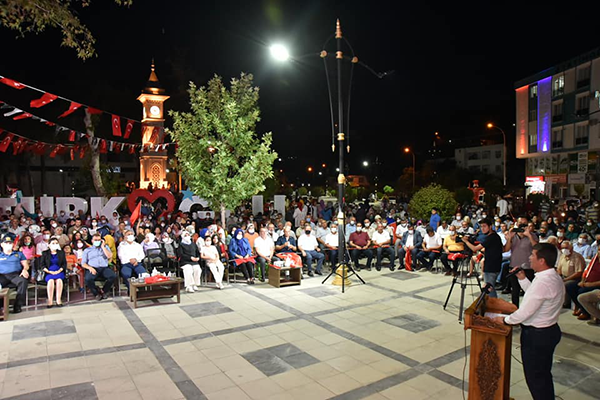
{"x":558,"y":89}
{"x":533,"y":91}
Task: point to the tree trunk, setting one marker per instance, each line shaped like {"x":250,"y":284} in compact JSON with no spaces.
{"x":223,"y":217}
{"x":95,"y":156}
{"x":29,"y":177}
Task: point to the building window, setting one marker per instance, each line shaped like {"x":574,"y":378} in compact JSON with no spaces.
{"x":473,"y":156}
{"x":582,"y":133}
{"x":485,"y":169}
{"x":583,"y":76}
{"x":498,"y":153}
{"x":557,"y":139}
{"x":533,"y":140}
{"x":583,"y":105}
{"x":558,"y":89}
{"x":485,"y":155}
{"x":532,"y":91}
{"x":533,"y":114}
{"x":498,"y":169}
{"x":557,"y":112}
{"x":475,"y":168}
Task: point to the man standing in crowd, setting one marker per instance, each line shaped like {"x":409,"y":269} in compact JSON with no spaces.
{"x":520,"y":242}
{"x":492,"y":245}
{"x":435,"y":219}
{"x":538,"y":318}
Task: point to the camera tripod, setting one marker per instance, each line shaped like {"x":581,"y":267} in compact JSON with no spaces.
{"x":464,"y":281}
{"x":343,"y":261}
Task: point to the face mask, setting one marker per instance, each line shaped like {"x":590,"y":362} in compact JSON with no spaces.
{"x":186,"y":240}
{"x":398,"y":221}
{"x":484,"y":216}
{"x":97,"y":243}
{"x":559,"y":234}
{"x":555,"y":221}
{"x":251,"y":231}
{"x":7,"y":247}
{"x":566,"y":252}
{"x":452,"y":233}
{"x":333,"y":230}
{"x":46,"y":237}
{"x":79,"y":245}
{"x":581,"y":241}
{"x":239,"y":237}
{"x":458,"y":217}
{"x":54,"y":225}
{"x":497,"y":223}
{"x":307,"y":232}
{"x":367,"y":225}
{"x":589,"y":224}
{"x":359,"y":229}
{"x":62,"y":214}
{"x":94,"y":223}
{"x":411,"y":232}
{"x":55,"y":246}
{"x":27,"y":242}
{"x":352,"y":223}
{"x":130,"y":238}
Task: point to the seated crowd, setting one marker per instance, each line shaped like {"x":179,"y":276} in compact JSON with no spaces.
{"x":80,"y":249}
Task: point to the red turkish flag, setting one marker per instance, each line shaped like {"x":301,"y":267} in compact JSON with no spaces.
{"x":5,"y":142}
{"x":72,"y":153}
{"x":17,"y":146}
{"x":74,"y":106}
{"x":82,"y":152}
{"x":12,"y":84}
{"x":116,"y":125}
{"x":53,"y":152}
{"x":72,"y":136}
{"x":42,"y":101}
{"x":103,"y":146}
{"x":117,"y":148}
{"x":40,"y":149}
{"x":22,"y":116}
{"x":136,"y":213}
{"x":49,"y":123}
{"x":128,"y":128}
{"x":93,"y":110}
{"x":131,"y":149}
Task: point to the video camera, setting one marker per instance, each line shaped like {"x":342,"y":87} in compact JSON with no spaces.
{"x":519,"y":229}
{"x":462,"y":237}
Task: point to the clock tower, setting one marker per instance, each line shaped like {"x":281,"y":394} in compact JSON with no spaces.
{"x":153,"y":156}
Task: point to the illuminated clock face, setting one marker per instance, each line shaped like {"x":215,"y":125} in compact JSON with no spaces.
{"x":155,"y":111}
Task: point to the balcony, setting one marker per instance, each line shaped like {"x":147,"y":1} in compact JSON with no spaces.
{"x":582,"y":112}
{"x":583,"y":83}
{"x":558,"y":92}
{"x":557,"y":118}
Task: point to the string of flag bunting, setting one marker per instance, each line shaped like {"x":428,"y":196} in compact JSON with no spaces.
{"x":48,"y":98}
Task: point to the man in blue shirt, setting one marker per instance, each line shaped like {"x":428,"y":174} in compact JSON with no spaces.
{"x":95,"y":262}
{"x":435,"y":219}
{"x":14,"y":269}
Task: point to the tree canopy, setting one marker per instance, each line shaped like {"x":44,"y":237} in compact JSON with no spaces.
{"x":221,"y":157}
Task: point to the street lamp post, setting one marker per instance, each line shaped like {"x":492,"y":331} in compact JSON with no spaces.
{"x":490,"y":126}
{"x":407,"y":150}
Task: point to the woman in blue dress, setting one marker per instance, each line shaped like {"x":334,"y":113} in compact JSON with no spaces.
{"x":54,"y":263}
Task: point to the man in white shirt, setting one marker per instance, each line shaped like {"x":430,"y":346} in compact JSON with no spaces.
{"x":502,"y":208}
{"x":432,"y":247}
{"x":265,"y":248}
{"x":131,"y":255}
{"x":331,"y":243}
{"x":538,"y":316}
{"x":309,"y":247}
{"x":382,"y":239}
{"x":401,"y":229}
{"x":442,"y":230}
{"x":321,"y":232}
{"x":271,"y":232}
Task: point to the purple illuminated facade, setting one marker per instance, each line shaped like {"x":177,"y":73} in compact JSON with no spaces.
{"x":544,"y":125}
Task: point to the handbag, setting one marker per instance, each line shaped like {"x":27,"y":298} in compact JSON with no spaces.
{"x":40,"y":275}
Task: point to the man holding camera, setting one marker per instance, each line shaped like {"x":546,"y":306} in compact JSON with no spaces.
{"x":520,"y":242}
{"x":492,"y":245}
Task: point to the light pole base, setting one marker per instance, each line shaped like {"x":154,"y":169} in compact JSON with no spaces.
{"x":341,"y":276}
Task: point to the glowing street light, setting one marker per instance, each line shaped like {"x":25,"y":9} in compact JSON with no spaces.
{"x":365,"y":163}
{"x":407,"y":150}
{"x":279,"y":52}
{"x":309,"y":169}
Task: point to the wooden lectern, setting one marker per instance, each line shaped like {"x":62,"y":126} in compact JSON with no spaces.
{"x":491,"y":345}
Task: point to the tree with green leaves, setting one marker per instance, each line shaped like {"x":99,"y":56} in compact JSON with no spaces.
{"x":34,"y":16}
{"x":429,"y":197}
{"x":220,"y":156}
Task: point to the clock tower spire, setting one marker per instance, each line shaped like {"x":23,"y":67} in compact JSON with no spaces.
{"x":153,"y":158}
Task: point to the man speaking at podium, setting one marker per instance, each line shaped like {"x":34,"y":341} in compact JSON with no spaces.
{"x":538,"y":316}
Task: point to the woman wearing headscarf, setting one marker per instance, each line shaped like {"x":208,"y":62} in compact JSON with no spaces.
{"x":241,"y":252}
{"x":189,"y":258}
{"x":300,"y":214}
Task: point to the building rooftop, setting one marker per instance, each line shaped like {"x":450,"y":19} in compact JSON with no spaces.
{"x":565,"y":65}
{"x":153,"y":85}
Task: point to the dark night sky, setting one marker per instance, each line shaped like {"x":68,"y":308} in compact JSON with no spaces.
{"x":455,"y":65}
